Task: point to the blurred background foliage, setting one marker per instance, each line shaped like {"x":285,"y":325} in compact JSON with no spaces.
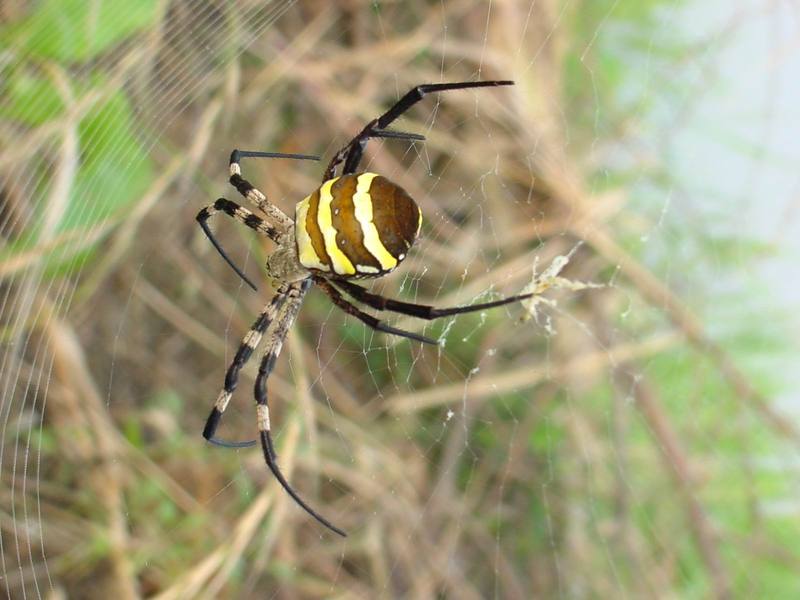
{"x":626,"y":443}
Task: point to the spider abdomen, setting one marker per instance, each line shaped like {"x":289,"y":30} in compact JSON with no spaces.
{"x":356,"y":225}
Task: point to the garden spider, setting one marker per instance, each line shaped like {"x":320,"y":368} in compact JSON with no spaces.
{"x":355,"y":226}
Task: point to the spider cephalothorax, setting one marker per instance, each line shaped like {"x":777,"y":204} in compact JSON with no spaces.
{"x":356,"y":225}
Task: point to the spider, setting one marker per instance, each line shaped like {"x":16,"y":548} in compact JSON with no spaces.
{"x":357,"y":225}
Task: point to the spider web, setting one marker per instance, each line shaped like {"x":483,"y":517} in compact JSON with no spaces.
{"x":623,"y":439}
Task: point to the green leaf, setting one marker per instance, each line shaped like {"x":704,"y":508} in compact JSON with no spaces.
{"x":115,"y":170}
{"x":79,"y":30}
{"x":28,"y":97}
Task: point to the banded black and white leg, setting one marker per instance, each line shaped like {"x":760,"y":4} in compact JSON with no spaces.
{"x":242,"y":215}
{"x":420,"y":311}
{"x":365,"y":318}
{"x":279,"y":225}
{"x":243,"y":354}
{"x":288,"y":312}
{"x":253,"y":194}
{"x":352,"y":152}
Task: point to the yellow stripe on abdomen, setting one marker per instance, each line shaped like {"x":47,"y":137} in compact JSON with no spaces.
{"x":363,"y":212}
{"x":305,"y":249}
{"x":339,"y":261}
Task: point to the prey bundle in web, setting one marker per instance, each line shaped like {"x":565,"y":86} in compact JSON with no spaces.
{"x":547,"y":280}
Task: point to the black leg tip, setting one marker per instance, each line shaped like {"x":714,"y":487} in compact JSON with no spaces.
{"x":229,"y":444}
{"x":400,"y":135}
{"x":269,"y":456}
{"x":212,"y":423}
{"x":211,"y":427}
{"x":238,"y":155}
{"x":381,"y":326}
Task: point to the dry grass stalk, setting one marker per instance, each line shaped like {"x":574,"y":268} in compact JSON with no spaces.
{"x":464,"y":500}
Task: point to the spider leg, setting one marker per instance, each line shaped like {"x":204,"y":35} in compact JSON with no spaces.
{"x":254,"y":195}
{"x":246,"y":349}
{"x":398,"y":135}
{"x":420,"y":311}
{"x":351,"y":153}
{"x":369,"y":320}
{"x":295,"y":292}
{"x":242,"y":215}
{"x":343,"y":152}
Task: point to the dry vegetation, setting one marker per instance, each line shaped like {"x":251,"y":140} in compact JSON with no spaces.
{"x":561,"y":469}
